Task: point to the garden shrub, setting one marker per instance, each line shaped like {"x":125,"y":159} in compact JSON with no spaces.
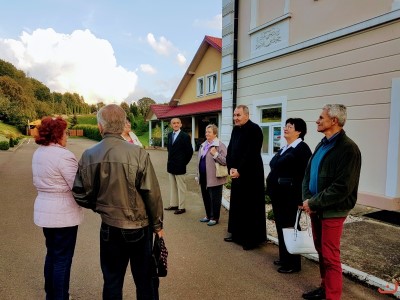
{"x":270,"y":215}
{"x":90,"y":131}
{"x":4,"y":145}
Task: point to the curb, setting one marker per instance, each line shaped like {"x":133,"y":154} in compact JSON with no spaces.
{"x":383,"y":286}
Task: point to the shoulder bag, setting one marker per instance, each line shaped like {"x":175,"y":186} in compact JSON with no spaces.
{"x":220,"y":170}
{"x":299,"y":241}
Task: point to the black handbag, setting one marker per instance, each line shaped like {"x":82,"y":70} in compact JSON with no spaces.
{"x":160,"y":254}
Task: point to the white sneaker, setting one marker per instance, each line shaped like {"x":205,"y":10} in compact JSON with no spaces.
{"x":212,"y":223}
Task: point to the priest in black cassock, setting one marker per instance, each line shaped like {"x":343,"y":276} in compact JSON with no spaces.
{"x":247,"y":222}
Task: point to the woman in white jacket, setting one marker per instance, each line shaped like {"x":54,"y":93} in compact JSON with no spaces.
{"x":54,"y":168}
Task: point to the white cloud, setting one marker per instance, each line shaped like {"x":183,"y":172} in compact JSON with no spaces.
{"x":149,"y":69}
{"x":181,"y":59}
{"x":215,"y":23}
{"x":77,"y":62}
{"x":162,"y":46}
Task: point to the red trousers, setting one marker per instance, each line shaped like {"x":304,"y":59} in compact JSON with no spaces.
{"x":327,"y":234}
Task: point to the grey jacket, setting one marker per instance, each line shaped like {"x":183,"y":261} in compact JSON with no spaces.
{"x":117,"y":180}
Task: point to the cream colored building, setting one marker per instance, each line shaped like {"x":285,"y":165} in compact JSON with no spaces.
{"x":294,"y":56}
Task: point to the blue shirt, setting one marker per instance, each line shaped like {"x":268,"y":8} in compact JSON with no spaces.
{"x":327,"y":144}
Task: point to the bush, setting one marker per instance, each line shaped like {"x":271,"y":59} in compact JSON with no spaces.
{"x":4,"y":145}
{"x":11,"y":142}
{"x":228,"y":182}
{"x":90,"y":131}
{"x":270,"y":215}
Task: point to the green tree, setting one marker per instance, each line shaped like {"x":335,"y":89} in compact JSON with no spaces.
{"x":144,"y":106}
{"x":134,"y":109}
{"x":125,"y":107}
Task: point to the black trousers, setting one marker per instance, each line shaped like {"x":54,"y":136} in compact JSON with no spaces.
{"x":285,"y":216}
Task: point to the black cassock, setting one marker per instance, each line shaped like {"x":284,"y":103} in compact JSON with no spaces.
{"x":247,"y":222}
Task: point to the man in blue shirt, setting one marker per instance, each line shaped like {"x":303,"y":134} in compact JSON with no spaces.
{"x":330,"y":188}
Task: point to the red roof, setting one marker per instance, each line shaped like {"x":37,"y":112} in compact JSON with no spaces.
{"x":214,"y":41}
{"x":197,"y":108}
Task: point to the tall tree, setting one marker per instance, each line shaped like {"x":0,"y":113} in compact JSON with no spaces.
{"x":125,"y":107}
{"x":144,"y":106}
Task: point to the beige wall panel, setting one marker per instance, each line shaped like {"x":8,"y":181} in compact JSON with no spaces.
{"x":376,"y":97}
{"x":210,"y":63}
{"x":338,"y":88}
{"x":372,"y":60}
{"x":299,"y":34}
{"x":269,"y":10}
{"x":314,"y":18}
{"x":385,"y":39}
{"x":371,"y":137}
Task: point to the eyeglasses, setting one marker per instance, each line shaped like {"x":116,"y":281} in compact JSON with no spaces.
{"x":289,"y":127}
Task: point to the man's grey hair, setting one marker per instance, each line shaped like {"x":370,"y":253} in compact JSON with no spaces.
{"x":112,"y":118}
{"x":338,"y":111}
{"x":245,"y":109}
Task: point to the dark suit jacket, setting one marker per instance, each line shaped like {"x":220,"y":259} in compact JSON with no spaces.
{"x":179,"y":153}
{"x":286,"y":176}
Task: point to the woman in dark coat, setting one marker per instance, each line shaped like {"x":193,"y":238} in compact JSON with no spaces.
{"x":247,"y":222}
{"x":284,"y":187}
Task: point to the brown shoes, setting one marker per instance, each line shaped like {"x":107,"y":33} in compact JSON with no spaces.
{"x":171,"y":208}
{"x":179,"y":211}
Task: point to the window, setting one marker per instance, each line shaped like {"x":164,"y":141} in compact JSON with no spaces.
{"x":212,"y":83}
{"x":200,"y":87}
{"x":271,"y":125}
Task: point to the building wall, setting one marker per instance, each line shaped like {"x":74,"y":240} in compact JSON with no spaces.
{"x":357,"y":66}
{"x":210,"y":63}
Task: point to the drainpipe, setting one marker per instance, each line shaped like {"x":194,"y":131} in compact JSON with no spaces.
{"x":235,"y":55}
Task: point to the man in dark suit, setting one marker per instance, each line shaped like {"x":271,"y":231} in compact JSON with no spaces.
{"x":180,"y":152}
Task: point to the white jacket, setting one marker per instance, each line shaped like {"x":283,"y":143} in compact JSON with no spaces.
{"x":54,"y":169}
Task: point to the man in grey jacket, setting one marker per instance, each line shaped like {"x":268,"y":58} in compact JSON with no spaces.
{"x":117,"y":180}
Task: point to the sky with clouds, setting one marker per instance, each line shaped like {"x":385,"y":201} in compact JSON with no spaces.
{"x":110,"y":51}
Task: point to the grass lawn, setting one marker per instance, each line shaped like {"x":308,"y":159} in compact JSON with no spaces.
{"x":8,"y":130}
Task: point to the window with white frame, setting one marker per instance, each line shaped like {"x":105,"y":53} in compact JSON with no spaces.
{"x":271,"y":124}
{"x":212,"y":83}
{"x":200,"y":87}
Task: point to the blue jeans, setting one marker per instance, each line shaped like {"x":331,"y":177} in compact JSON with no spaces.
{"x":120,"y":246}
{"x":60,"y":243}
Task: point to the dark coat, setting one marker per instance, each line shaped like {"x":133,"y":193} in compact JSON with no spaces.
{"x":179,"y":153}
{"x":338,"y":179}
{"x":284,"y":187}
{"x":247,"y":222}
{"x":287,"y":172}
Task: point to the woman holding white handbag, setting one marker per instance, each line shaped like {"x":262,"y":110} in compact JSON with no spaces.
{"x":284,"y":187}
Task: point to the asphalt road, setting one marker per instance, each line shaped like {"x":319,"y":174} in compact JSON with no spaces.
{"x":201,"y":265}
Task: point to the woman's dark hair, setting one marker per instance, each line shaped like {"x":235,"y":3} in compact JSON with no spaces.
{"x":299,"y":125}
{"x":51,"y":130}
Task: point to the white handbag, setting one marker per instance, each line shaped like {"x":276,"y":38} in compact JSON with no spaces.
{"x":299,"y":241}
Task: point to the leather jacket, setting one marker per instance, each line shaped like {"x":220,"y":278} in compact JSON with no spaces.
{"x":117,"y":180}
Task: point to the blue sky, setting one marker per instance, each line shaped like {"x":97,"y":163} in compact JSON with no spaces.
{"x":108,"y":51}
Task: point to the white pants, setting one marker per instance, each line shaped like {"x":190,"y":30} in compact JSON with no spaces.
{"x":177,"y":190}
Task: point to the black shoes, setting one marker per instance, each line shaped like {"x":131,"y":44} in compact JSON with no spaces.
{"x":319,"y":293}
{"x":179,"y":211}
{"x":288,"y":270}
{"x":228,"y":239}
{"x":171,"y":208}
